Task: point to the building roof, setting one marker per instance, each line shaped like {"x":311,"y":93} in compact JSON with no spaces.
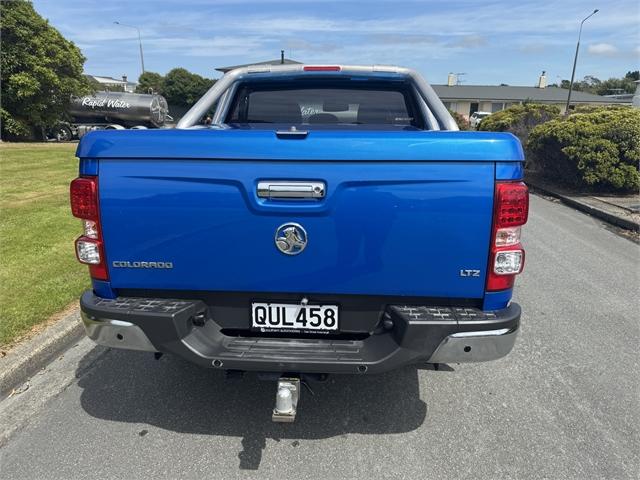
{"x":515,"y":94}
{"x":109,"y":80}
{"x":277,"y":61}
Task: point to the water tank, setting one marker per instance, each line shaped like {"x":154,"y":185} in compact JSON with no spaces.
{"x":130,"y":108}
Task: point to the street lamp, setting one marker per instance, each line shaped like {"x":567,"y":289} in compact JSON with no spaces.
{"x":575,"y":60}
{"x":139,"y":41}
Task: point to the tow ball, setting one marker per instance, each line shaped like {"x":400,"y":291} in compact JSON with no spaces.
{"x":287,"y":396}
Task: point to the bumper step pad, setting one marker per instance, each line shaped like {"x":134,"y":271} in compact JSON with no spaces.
{"x":133,"y":306}
{"x":439,"y":314}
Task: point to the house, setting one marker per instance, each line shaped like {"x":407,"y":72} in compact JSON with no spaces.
{"x":113,"y":84}
{"x":466,"y":99}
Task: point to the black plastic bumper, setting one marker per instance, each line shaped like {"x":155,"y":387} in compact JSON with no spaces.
{"x":185,"y":327}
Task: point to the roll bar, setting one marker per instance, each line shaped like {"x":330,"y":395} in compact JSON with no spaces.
{"x":219,"y":89}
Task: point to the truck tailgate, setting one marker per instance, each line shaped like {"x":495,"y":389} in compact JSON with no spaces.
{"x":383,"y":227}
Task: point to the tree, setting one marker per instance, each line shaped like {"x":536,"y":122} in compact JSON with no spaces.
{"x":150,"y":82}
{"x":40,"y":71}
{"x":591,"y":84}
{"x":183,"y":88}
{"x":616,"y":85}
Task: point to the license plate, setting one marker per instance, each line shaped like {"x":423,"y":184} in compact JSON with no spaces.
{"x":284,"y":317}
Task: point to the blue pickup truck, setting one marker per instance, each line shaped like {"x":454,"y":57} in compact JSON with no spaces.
{"x":330,"y":219}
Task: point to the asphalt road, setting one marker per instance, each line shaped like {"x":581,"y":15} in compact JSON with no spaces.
{"x":564,"y":404}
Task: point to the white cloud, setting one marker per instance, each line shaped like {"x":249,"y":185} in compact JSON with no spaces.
{"x":205,"y":47}
{"x":534,"y":48}
{"x":430,"y":36}
{"x":604,"y":49}
{"x":99,"y":34}
{"x":524,"y":18}
{"x":469,"y":41}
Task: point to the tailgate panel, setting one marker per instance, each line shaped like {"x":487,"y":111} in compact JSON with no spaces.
{"x":383,"y":228}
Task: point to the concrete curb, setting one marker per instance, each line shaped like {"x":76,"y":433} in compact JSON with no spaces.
{"x":23,"y":361}
{"x":586,"y":208}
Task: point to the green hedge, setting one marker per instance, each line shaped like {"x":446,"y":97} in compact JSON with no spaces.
{"x":519,"y":119}
{"x":598,"y":147}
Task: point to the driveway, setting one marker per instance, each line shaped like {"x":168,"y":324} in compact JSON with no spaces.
{"x":564,"y":404}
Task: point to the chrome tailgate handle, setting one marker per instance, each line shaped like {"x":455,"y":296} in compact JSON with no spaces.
{"x":292,"y":190}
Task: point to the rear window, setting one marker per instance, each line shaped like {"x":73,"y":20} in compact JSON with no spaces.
{"x":335,"y":104}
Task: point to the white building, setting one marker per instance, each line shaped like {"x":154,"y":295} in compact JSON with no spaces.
{"x":467,"y":99}
{"x":110,"y":83}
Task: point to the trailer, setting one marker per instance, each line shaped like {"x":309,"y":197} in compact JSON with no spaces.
{"x":112,"y":111}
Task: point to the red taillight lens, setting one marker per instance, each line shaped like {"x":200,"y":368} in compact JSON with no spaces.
{"x":498,"y":282}
{"x":84,"y":205}
{"x":511,"y":204}
{"x":511,"y":210}
{"x":84,"y":198}
{"x":321,"y":68}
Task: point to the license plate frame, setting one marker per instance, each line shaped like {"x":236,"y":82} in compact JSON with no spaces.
{"x":294,"y":318}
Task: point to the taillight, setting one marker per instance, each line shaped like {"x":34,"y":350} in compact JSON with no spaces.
{"x":512,"y":204}
{"x":321,"y":68}
{"x":511,"y":210}
{"x":90,"y":246}
{"x":84,"y":198}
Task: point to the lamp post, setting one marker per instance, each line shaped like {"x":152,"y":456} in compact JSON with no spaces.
{"x":575,"y":60}
{"x":139,"y":41}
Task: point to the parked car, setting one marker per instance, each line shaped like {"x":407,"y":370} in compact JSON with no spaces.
{"x":476,"y":118}
{"x":331,"y":219}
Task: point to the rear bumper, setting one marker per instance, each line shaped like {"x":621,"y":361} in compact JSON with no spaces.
{"x":185,"y":327}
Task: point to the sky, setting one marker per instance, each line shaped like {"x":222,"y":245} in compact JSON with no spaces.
{"x":492,"y":42}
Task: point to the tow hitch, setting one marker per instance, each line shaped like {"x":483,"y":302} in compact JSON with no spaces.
{"x":288,"y":391}
{"x":287,"y":396}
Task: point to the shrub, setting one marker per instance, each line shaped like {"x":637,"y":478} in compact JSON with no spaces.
{"x":596,"y":108}
{"x":463,"y":123}
{"x":519,"y":119}
{"x":599,"y":148}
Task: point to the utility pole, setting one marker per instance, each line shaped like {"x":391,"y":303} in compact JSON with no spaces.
{"x":575,"y":61}
{"x":139,"y":41}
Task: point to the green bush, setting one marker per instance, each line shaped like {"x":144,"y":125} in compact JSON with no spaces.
{"x":596,"y":108}
{"x":463,"y":123}
{"x":519,"y":119}
{"x":599,"y":148}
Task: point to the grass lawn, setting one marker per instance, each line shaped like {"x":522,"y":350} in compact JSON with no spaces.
{"x":39,"y":274}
